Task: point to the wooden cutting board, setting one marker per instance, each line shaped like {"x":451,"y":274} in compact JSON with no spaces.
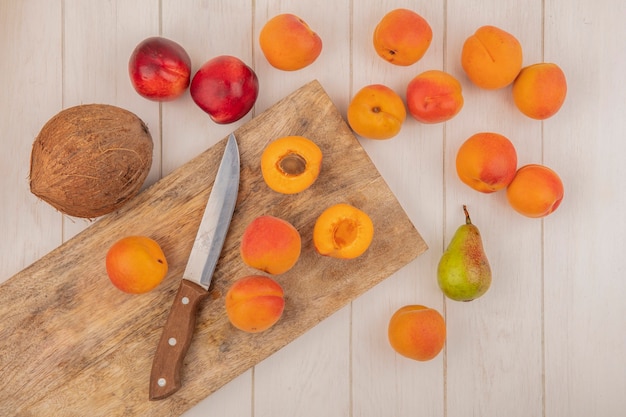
{"x":72,"y":344}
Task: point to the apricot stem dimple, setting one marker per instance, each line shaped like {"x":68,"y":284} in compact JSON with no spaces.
{"x":292,"y":164}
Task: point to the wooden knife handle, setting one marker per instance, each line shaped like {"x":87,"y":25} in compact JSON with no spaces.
{"x":175,"y":340}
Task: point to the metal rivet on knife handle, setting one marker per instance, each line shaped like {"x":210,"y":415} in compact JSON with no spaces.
{"x":175,"y":340}
{"x":176,"y":337}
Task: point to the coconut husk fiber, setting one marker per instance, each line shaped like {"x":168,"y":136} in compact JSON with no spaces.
{"x":90,"y":159}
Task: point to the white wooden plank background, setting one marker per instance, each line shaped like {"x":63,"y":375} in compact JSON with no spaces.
{"x":548,"y":339}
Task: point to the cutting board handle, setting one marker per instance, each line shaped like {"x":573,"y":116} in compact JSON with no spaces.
{"x":175,"y":340}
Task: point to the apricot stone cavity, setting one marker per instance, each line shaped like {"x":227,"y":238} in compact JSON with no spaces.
{"x":291,"y":164}
{"x":343,"y":231}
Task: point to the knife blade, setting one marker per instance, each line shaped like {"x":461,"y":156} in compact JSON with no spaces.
{"x":177,"y":333}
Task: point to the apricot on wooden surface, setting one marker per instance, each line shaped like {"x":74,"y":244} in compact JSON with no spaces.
{"x":270,"y":244}
{"x":535,"y":191}
{"x":136,"y":264}
{"x":254,"y":303}
{"x":539,"y":90}
{"x":417,"y":332}
{"x":402,"y":37}
{"x":343,"y":231}
{"x":486,"y":162}
{"x":376,"y":112}
{"x":434,"y":96}
{"x":291,"y":164}
{"x":491,"y":57}
{"x":288,"y":43}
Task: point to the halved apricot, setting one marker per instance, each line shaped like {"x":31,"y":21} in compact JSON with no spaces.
{"x":291,"y":164}
{"x":343,"y":231}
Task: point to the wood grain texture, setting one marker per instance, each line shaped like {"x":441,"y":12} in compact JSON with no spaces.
{"x":99,"y":74}
{"x":89,"y":347}
{"x":327,"y":393}
{"x":21,"y":210}
{"x":549,"y":339}
{"x":508,"y":353}
{"x":413,"y":162}
{"x":584,"y":262}
{"x":222,"y":27}
{"x":178,"y":331}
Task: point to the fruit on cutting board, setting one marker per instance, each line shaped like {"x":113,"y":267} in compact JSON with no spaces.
{"x":491,"y":57}
{"x":225,"y":88}
{"x":463,"y":272}
{"x":270,"y":244}
{"x":291,"y":164}
{"x":136,"y":264}
{"x":486,"y":162}
{"x":254,"y":303}
{"x":89,"y":160}
{"x":343,"y":231}
{"x":288,"y":43}
{"x":376,"y":112}
{"x":159,"y":69}
{"x":539,"y":90}
{"x":434,"y":96}
{"x":417,"y":332}
{"x":535,"y":191}
{"x":402,"y":37}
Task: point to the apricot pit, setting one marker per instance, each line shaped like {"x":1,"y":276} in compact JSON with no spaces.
{"x":343,"y":231}
{"x":291,"y":164}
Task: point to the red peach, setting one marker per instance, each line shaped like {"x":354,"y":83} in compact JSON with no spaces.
{"x":159,"y":69}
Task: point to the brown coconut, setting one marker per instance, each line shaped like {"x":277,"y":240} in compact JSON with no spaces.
{"x":89,"y":160}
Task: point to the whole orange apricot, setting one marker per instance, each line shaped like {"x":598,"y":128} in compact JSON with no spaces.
{"x":417,"y":332}
{"x":288,"y":43}
{"x":291,"y":164}
{"x":539,"y":90}
{"x":434,"y":96}
{"x":254,"y":303}
{"x":402,"y":37}
{"x":136,"y":264}
{"x":343,"y":231}
{"x":270,"y":244}
{"x":535,"y":191}
{"x":376,"y":112}
{"x":491,"y":57}
{"x":486,"y":162}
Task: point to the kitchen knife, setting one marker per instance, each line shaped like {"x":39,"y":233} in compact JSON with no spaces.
{"x":179,"y":327}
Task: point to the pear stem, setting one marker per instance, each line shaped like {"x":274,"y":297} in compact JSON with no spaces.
{"x":467,"y":216}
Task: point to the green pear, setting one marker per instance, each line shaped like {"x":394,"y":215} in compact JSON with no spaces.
{"x":463,"y":272}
